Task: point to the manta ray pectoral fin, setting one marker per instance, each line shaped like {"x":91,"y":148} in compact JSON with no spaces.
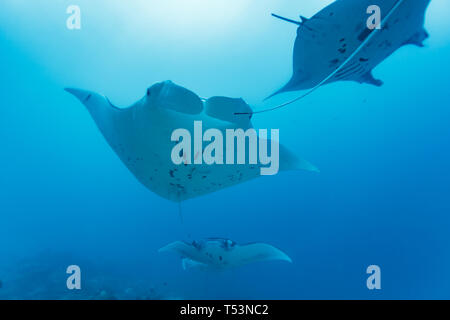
{"x":256,"y":252}
{"x":101,"y":109}
{"x":174,"y":246}
{"x":93,"y":101}
{"x":418,"y":38}
{"x":369,"y":79}
{"x":289,"y":161}
{"x":180,"y":247}
{"x":290,"y":86}
{"x":82,"y":95}
{"x":190,"y":264}
{"x":296,"y":82}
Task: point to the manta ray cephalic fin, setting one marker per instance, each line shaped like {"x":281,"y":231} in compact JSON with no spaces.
{"x":225,"y":109}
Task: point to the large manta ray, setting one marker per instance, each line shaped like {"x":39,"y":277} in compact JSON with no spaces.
{"x":219,"y":254}
{"x":141,"y":137}
{"x":327,"y":42}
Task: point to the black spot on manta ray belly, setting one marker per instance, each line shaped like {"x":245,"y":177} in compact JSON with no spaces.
{"x":334,"y":62}
{"x":363,"y":35}
{"x":385,"y":43}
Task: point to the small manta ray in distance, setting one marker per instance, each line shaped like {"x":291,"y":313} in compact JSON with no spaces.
{"x":219,"y":254}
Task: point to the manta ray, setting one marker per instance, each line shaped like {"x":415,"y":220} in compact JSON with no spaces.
{"x":219,"y":254}
{"x":336,"y":44}
{"x":141,"y":136}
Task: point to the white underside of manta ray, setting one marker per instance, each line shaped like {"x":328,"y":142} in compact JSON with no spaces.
{"x":327,"y":40}
{"x":219,"y":254}
{"x":141,"y":137}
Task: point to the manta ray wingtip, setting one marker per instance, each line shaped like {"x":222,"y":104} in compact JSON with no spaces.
{"x":70,"y":90}
{"x":82,"y":95}
{"x":271,"y":96}
{"x":314,"y":169}
{"x":284,"y":257}
{"x":282,"y":90}
{"x":171,"y":246}
{"x":165,"y":248}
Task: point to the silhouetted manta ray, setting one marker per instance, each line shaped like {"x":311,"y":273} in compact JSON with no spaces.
{"x":141,"y":137}
{"x":219,"y":254}
{"x":337,"y":45}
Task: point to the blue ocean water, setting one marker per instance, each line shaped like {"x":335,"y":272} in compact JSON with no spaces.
{"x":382,"y":196}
